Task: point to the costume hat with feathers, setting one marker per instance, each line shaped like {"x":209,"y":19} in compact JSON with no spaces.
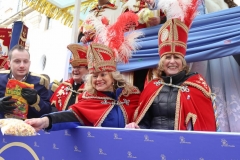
{"x":173,"y":35}
{"x":111,"y":45}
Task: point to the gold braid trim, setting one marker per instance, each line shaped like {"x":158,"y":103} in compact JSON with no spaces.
{"x":182,"y":25}
{"x":100,"y":121}
{"x":178,"y":109}
{"x":135,"y":113}
{"x":205,"y":92}
{"x":149,"y":103}
{"x":56,"y":82}
{"x":66,"y":83}
{"x":175,"y":43}
{"x":4,"y":71}
{"x":43,"y":80}
{"x":123,"y":110}
{"x":54,"y":87}
{"x":191,"y":116}
{"x":95,"y":97}
{"x":80,"y":120}
{"x":35,"y":105}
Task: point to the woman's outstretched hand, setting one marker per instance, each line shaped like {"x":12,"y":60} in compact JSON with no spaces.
{"x":132,"y":125}
{"x":38,"y":123}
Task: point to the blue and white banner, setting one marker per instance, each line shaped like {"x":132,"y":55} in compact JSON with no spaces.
{"x":88,"y":143}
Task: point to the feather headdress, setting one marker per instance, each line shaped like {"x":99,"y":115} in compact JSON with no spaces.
{"x":185,"y":10}
{"x":115,"y":36}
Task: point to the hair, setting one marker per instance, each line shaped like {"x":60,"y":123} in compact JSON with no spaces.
{"x":85,"y":66}
{"x":160,"y":69}
{"x":119,"y":82}
{"x":16,"y":47}
{"x":230,"y":3}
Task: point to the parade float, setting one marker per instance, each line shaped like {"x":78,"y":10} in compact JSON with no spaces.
{"x":211,"y":36}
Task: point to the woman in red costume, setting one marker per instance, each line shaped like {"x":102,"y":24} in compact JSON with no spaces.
{"x":177,"y":100}
{"x":109,"y":101}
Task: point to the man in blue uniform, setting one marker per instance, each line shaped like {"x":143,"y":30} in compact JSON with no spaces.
{"x":37,"y":98}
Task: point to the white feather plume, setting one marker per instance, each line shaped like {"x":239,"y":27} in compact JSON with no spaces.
{"x":101,"y":30}
{"x":107,"y":36}
{"x":129,"y":45}
{"x":175,"y":8}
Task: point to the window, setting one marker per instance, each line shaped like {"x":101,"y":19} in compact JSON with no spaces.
{"x":48,"y":23}
{"x":43,"y":62}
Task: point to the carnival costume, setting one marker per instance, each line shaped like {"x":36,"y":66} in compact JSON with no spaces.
{"x":140,"y":8}
{"x":182,"y":101}
{"x":67,"y":92}
{"x":105,"y":109}
{"x":108,"y":10}
{"x":201,"y":6}
{"x":41,"y":85}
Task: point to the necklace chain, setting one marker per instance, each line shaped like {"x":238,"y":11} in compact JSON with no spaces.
{"x":182,"y":88}
{"x":69,"y":89}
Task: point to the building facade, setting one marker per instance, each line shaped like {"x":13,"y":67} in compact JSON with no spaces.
{"x":46,"y":41}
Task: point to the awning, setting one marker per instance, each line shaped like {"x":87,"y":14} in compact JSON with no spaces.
{"x":61,"y":9}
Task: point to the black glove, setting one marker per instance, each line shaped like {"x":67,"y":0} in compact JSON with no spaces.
{"x":30,"y":95}
{"x":5,"y":104}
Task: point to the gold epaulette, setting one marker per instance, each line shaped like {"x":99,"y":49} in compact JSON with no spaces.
{"x":4,"y":71}
{"x":56,"y":82}
{"x":43,"y":80}
{"x":54,"y":87}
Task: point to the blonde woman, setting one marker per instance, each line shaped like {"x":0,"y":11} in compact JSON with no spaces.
{"x":109,"y":101}
{"x":177,"y":99}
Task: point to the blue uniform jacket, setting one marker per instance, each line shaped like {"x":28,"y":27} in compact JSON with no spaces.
{"x":42,"y":106}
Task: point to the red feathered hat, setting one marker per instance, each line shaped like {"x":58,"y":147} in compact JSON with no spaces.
{"x":79,"y":55}
{"x":110,"y":45}
{"x":173,"y":35}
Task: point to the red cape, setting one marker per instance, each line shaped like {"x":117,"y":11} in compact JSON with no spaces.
{"x":195,"y":104}
{"x":61,"y":96}
{"x":91,"y":110}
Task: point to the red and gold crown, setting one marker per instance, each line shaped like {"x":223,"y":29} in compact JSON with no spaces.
{"x":100,"y":58}
{"x":110,"y":45}
{"x":173,"y":35}
{"x":3,"y":62}
{"x":79,"y":55}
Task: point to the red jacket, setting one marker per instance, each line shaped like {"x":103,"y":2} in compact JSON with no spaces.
{"x":195,"y":104}
{"x":93,"y":109}
{"x":62,"y":94}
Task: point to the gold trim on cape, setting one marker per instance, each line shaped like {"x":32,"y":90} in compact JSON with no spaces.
{"x":36,"y":105}
{"x":149,"y":103}
{"x":191,"y":116}
{"x":43,"y":80}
